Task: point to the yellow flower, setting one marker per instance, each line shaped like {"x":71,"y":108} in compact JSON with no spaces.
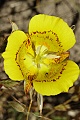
{"x":40,"y":58}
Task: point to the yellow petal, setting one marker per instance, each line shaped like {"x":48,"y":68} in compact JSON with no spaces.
{"x":42,"y":23}
{"x":13,"y":70}
{"x":15,"y":40}
{"x":65,"y":77}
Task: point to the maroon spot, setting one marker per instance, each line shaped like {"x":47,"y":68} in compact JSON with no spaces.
{"x":44,"y":32}
{"x":60,"y":72}
{"x":58,"y":77}
{"x":44,"y":81}
{"x":34,"y":32}
{"x":51,"y":39}
{"x":28,"y":41}
{"x":46,"y":74}
{"x":47,"y":37}
{"x":53,"y":80}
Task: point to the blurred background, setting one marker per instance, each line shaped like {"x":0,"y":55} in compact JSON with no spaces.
{"x":65,"y":106}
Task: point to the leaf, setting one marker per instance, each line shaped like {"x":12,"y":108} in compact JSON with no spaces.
{"x":60,"y":107}
{"x":75,"y":98}
{"x":17,"y":106}
{"x":8,"y":83}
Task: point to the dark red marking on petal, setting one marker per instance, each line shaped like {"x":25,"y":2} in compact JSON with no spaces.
{"x":34,"y":32}
{"x":53,"y":80}
{"x":17,"y":57}
{"x":58,"y":77}
{"x":63,"y":68}
{"x":48,"y":37}
{"x":28,"y":41}
{"x":31,"y":77}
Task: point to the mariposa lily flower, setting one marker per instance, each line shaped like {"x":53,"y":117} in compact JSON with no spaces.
{"x":40,"y":57}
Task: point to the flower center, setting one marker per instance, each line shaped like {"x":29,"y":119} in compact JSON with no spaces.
{"x":40,"y":52}
{"x":37,"y":60}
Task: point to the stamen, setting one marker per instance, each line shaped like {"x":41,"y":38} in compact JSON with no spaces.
{"x":38,"y":49}
{"x":51,"y":56}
